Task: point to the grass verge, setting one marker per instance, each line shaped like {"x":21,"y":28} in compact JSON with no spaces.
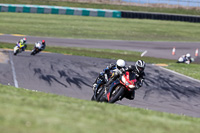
{"x":189,"y":70}
{"x":97,"y":28}
{"x":105,"y":6}
{"x":36,"y":112}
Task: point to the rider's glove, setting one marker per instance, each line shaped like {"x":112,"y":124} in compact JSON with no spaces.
{"x":137,"y":75}
{"x":111,"y":66}
{"x":106,"y":70}
{"x":101,"y":74}
{"x":139,"y":84}
{"x":121,"y":71}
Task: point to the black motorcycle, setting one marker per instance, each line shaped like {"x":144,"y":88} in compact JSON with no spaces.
{"x":100,"y":87}
{"x":37,"y":48}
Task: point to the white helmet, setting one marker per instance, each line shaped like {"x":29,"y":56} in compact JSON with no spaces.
{"x":120,"y":63}
{"x":188,"y":55}
{"x":24,"y":40}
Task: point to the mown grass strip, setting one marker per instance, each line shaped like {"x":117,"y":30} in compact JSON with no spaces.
{"x":36,"y":112}
{"x":189,"y":70}
{"x":67,"y":26}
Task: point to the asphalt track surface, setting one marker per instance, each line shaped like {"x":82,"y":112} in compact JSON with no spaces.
{"x":154,"y":49}
{"x":73,"y":76}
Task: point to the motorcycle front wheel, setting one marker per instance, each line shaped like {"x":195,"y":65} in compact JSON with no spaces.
{"x":34,"y":52}
{"x":117,"y":94}
{"x":16,"y":52}
{"x":100,"y":92}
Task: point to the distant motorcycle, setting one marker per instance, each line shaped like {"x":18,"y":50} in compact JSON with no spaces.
{"x":120,"y":88}
{"x":37,"y":48}
{"x":183,"y":59}
{"x":18,"y":48}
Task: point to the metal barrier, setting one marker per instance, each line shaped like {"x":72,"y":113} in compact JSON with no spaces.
{"x":160,"y":16}
{"x":59,"y":10}
{"x":95,"y":12}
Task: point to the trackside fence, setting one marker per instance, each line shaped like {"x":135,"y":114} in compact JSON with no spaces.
{"x":59,"y":10}
{"x":160,"y":16}
{"x":95,"y":12}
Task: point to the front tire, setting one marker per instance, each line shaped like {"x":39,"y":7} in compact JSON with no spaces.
{"x":33,"y":52}
{"x":117,"y":94}
{"x":101,"y":92}
{"x":15,"y":53}
{"x":93,"y":99}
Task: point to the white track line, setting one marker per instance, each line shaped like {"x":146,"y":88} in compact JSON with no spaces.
{"x":144,"y":53}
{"x":178,"y":74}
{"x":13,"y":71}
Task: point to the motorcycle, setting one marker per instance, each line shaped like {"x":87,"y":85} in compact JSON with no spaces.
{"x":120,"y":88}
{"x":99,"y":91}
{"x":183,"y":59}
{"x":18,"y":48}
{"x":37,"y":48}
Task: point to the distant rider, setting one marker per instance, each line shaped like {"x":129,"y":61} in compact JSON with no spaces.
{"x":185,"y":59}
{"x":112,"y":67}
{"x":43,"y":44}
{"x":22,"y":43}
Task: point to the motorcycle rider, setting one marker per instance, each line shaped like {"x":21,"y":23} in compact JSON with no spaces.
{"x":186,"y":59}
{"x":120,"y":64}
{"x":137,"y":69}
{"x":43,"y":45}
{"x":22,"y":43}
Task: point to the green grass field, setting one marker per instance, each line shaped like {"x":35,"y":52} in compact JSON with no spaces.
{"x":97,"y":28}
{"x":105,"y":6}
{"x":25,"y":111}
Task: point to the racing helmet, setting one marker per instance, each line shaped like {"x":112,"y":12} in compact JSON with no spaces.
{"x":43,"y":41}
{"x":188,"y":55}
{"x":140,"y":66}
{"x":24,"y":40}
{"x":120,"y":63}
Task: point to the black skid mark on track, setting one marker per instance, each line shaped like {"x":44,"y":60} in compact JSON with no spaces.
{"x":47,"y":78}
{"x":77,"y":79}
{"x":52,"y":68}
{"x":166,"y":85}
{"x":29,"y":65}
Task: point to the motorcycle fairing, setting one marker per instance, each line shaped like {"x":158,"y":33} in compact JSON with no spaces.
{"x":20,"y":45}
